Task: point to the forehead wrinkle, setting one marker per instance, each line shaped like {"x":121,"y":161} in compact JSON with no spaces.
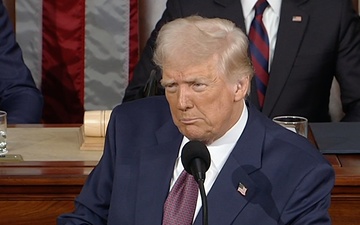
{"x":198,"y":75}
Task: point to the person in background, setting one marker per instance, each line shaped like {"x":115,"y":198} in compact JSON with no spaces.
{"x":260,"y":172}
{"x":19,"y":96}
{"x":310,"y":43}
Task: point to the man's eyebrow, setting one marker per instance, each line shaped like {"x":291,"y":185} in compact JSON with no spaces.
{"x":199,"y":79}
{"x":166,"y":81}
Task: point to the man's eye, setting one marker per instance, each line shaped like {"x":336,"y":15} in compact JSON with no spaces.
{"x":171,"y":87}
{"x":199,"y":86}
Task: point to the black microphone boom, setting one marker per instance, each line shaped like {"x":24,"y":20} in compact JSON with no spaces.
{"x":195,"y":158}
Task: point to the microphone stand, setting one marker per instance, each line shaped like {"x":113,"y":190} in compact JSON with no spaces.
{"x":196,"y":160}
{"x":203,"y":201}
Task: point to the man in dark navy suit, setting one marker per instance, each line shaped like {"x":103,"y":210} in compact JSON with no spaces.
{"x":19,"y":96}
{"x":311,"y":41}
{"x":260,"y":173}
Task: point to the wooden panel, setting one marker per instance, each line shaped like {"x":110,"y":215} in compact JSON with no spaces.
{"x":345,"y":211}
{"x":28,"y":212}
{"x":40,"y":191}
{"x":345,"y":197}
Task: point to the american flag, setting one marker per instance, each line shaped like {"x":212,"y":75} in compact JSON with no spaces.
{"x":242,"y":189}
{"x":297,"y":18}
{"x":81,"y":52}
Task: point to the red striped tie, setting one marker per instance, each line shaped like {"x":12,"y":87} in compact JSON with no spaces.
{"x":179,"y":207}
{"x":259,"y":48}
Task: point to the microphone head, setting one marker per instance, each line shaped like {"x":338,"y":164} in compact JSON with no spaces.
{"x":195,"y":150}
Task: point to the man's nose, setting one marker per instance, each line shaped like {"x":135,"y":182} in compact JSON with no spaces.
{"x":184,"y":98}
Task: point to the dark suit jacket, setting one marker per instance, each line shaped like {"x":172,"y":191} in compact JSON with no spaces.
{"x":287,"y":180}
{"x":326,"y":42}
{"x":19,"y":96}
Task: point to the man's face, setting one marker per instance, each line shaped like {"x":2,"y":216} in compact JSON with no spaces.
{"x":204,"y":104}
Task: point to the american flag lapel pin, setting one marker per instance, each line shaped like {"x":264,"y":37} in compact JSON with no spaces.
{"x":296,"y":18}
{"x":242,"y":189}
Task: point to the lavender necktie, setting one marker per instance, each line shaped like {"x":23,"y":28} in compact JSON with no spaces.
{"x":179,"y":207}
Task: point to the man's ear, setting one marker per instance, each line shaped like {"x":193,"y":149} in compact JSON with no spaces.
{"x":242,"y":88}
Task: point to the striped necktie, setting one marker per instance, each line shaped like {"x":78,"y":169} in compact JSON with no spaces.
{"x":259,"y":48}
{"x":179,"y":207}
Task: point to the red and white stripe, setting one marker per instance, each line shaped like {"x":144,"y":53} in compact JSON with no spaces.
{"x":80,"y":52}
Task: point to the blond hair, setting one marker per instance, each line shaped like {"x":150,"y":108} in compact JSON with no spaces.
{"x":194,"y":40}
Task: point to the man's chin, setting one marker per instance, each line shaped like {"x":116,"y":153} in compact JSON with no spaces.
{"x":193,"y":135}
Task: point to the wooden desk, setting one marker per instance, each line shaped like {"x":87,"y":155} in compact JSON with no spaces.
{"x":44,"y":185}
{"x":38,"y":191}
{"x":345,"y":198}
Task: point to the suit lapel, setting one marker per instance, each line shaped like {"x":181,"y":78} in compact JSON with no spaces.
{"x":154,"y":186}
{"x":225,"y":202}
{"x":290,"y":35}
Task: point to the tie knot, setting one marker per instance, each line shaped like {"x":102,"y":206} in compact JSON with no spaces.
{"x":260,"y":7}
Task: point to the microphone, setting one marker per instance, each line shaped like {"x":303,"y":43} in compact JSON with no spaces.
{"x":195,"y":158}
{"x":151,"y":85}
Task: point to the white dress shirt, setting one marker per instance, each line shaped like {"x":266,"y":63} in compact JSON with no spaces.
{"x":219,"y":152}
{"x":271,"y":18}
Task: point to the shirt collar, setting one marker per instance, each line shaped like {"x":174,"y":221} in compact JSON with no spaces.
{"x":232,"y":135}
{"x":226,"y":142}
{"x":248,"y":6}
